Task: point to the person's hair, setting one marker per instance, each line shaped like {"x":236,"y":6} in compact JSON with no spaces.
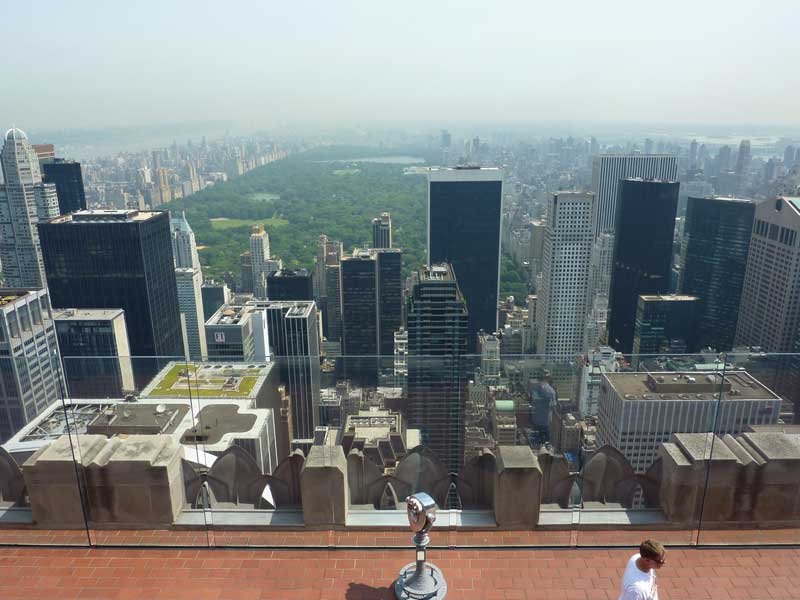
{"x":651,"y":549}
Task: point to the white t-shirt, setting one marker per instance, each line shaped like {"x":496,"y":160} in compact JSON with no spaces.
{"x":636,"y":584}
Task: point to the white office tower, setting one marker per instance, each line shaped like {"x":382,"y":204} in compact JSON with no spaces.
{"x":190,"y":302}
{"x":608,"y":169}
{"x":769,"y":313}
{"x":184,"y":247}
{"x":400,"y":357}
{"x":24,"y":201}
{"x":263,"y":263}
{"x":489,"y":347}
{"x":599,"y":361}
{"x":600,"y":270}
{"x":640,"y":411}
{"x":29,"y":359}
{"x":563,"y":300}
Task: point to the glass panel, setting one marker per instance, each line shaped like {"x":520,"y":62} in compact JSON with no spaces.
{"x":635,"y":406}
{"x":754,"y":471}
{"x":249,"y":426}
{"x":40,"y":494}
{"x":128,"y":436}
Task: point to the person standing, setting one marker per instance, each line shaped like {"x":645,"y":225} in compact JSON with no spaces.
{"x":639,"y":579}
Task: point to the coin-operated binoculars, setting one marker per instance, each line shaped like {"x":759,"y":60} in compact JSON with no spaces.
{"x":420,"y":580}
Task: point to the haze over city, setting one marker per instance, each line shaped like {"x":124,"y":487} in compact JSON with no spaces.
{"x":348,"y":64}
{"x":302,"y":275}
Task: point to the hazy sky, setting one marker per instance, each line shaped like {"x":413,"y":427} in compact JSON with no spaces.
{"x":370,"y":62}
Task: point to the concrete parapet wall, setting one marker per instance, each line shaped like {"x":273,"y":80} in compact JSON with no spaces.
{"x":133,"y":481}
{"x":750,"y":478}
{"x":517,"y":488}
{"x":324,"y":487}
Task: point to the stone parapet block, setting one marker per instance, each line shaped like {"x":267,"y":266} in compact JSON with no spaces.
{"x":517,"y":488}
{"x":324,"y":487}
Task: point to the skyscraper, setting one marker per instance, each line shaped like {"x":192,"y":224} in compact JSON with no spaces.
{"x":743,"y":158}
{"x":118,"y":259}
{"x":359,"y":293}
{"x":190,"y":301}
{"x":382,"y":231}
{"x":189,"y":278}
{"x":261,"y":260}
{"x":333,"y":301}
{"x":24,"y":202}
{"x":184,"y":247}
{"x":232,"y":333}
{"x":389,"y":263}
{"x":94,"y":351}
{"x":328,"y":254}
{"x":214,"y":295}
{"x":713,"y":262}
{"x":294,"y":342}
{"x":642,"y":252}
{"x":564,"y":298}
{"x":609,"y":169}
{"x":437,"y":340}
{"x":245,"y":273}
{"x":769,"y":313}
{"x":372,"y":308}
{"x":664,"y":324}
{"x":638,"y":412}
{"x":31,"y":378}
{"x":465,"y":206}
{"x":67,"y":177}
{"x":290,"y":284}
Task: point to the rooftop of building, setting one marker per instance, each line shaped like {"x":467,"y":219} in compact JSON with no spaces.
{"x":86,"y":314}
{"x":465,"y":173}
{"x":289,"y":273}
{"x":725,"y":199}
{"x":177,"y":416}
{"x":14,"y":134}
{"x":209,"y":380}
{"x":295,"y":308}
{"x":105,"y":216}
{"x":690,"y":385}
{"x":230,"y":314}
{"x":438,"y":272}
{"x":634,"y":154}
{"x":373,"y":424}
{"x":793,"y":201}
{"x":649,"y":180}
{"x":10,"y":295}
{"x":668,"y":298}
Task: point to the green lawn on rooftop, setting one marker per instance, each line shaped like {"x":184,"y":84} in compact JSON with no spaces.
{"x":165,"y":387}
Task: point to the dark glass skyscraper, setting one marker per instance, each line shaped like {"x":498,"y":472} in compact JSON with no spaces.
{"x":118,"y":259}
{"x":289,"y":284}
{"x":465,"y":206}
{"x":437,"y":340}
{"x":68,"y":179}
{"x":642,"y":263}
{"x":716,"y":244}
{"x":294,"y":342}
{"x":372,"y":308}
{"x":95,"y":352}
{"x":389,"y":267}
{"x":665,"y":324}
{"x":382,"y":231}
{"x":359,"y":290}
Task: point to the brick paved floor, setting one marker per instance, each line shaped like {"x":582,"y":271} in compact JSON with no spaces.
{"x":175,"y":574}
